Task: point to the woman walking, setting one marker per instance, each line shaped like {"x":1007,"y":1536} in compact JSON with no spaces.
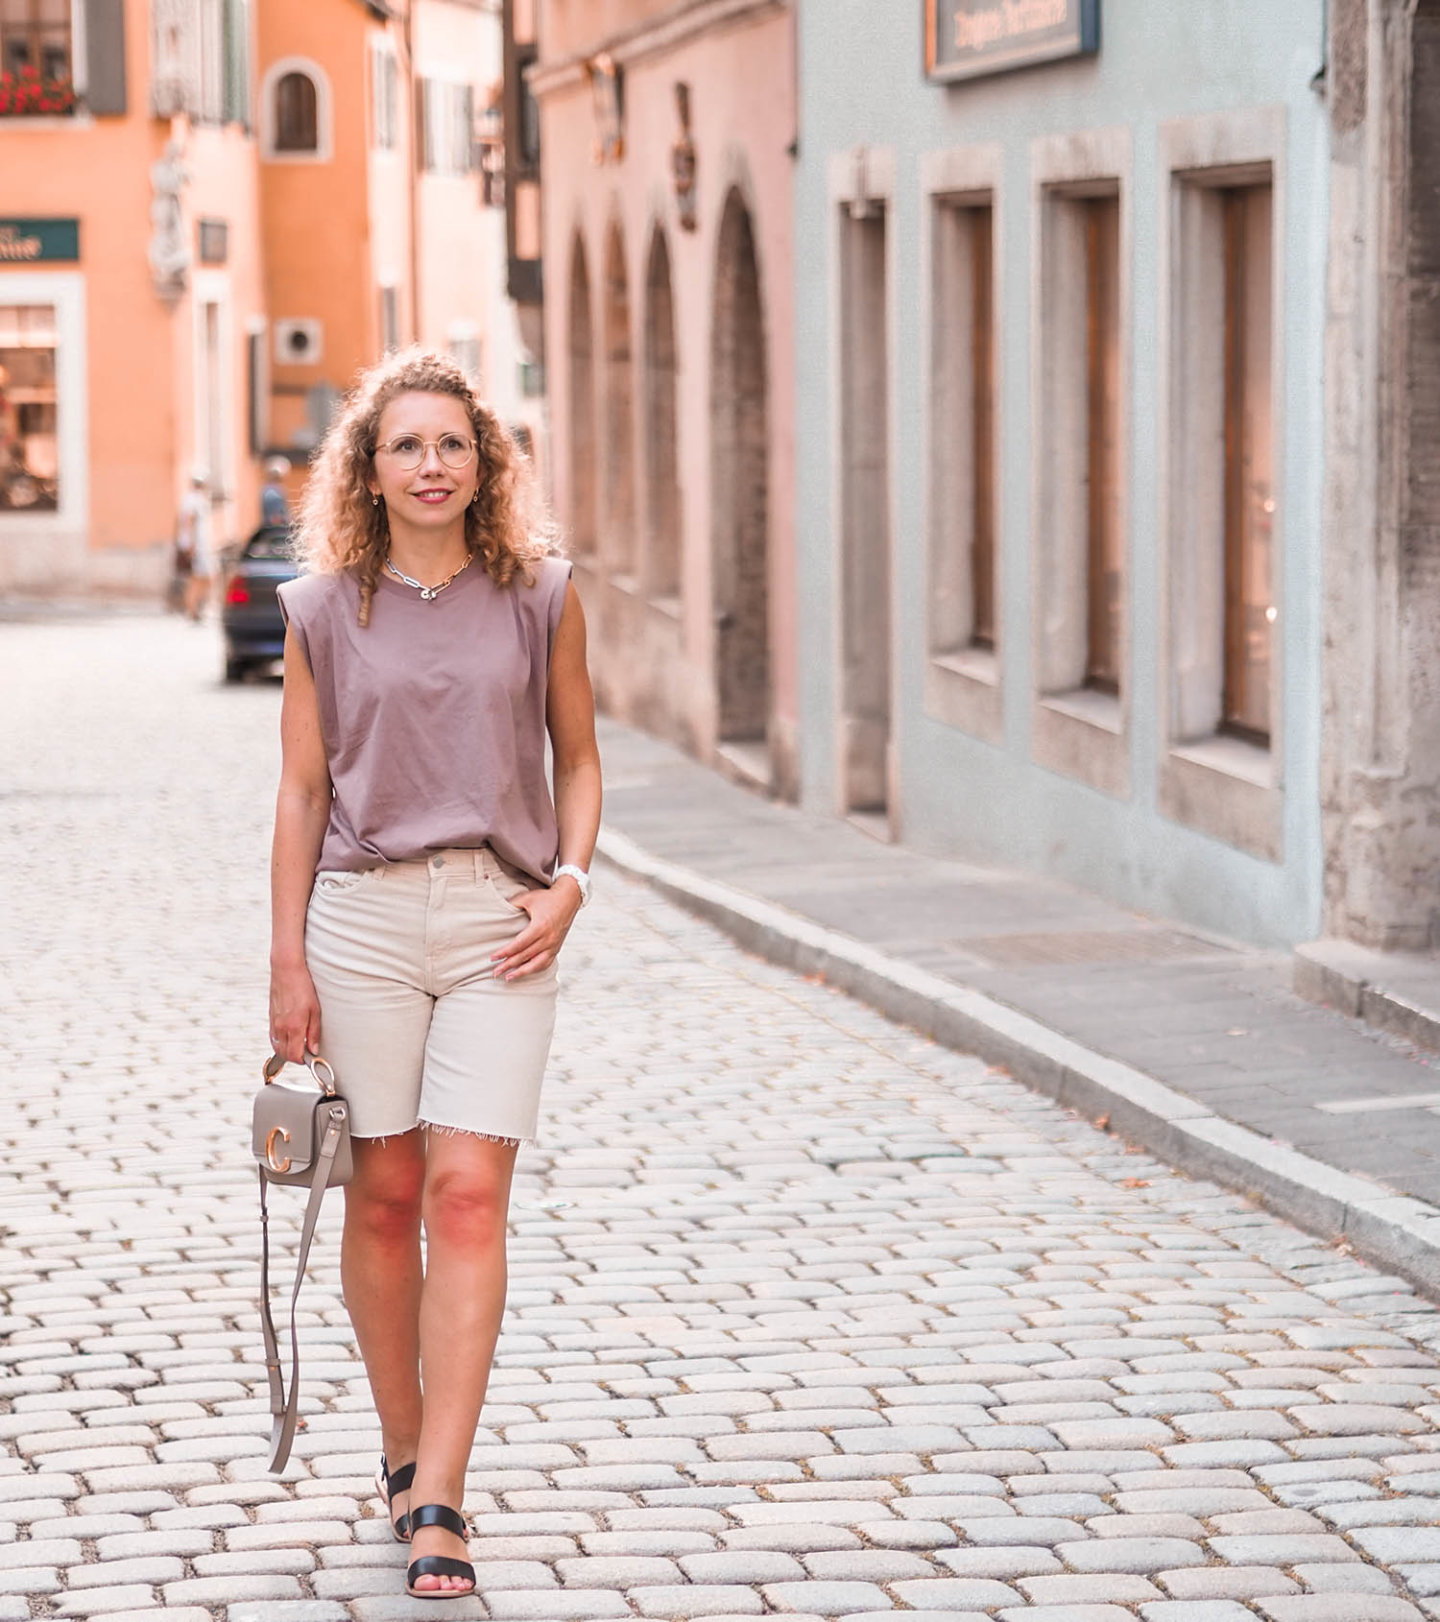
{"x":423,"y":883}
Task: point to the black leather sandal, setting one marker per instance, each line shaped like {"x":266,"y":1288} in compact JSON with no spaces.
{"x":438,"y":1565}
{"x":387,"y":1484}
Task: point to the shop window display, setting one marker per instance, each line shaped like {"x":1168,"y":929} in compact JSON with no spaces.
{"x":29,"y":451}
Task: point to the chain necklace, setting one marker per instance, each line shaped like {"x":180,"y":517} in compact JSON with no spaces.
{"x":429,"y":593}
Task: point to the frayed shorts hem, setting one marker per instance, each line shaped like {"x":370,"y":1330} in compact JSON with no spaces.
{"x":445,"y":1131}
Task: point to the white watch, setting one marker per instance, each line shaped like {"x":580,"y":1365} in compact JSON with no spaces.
{"x":581,"y":877}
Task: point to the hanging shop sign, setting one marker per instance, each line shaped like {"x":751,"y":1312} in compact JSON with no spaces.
{"x":967,"y":38}
{"x":29,"y":242}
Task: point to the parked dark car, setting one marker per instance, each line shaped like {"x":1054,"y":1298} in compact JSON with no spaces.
{"x":250,"y":616}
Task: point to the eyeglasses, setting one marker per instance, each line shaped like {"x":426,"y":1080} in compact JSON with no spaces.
{"x":408,"y":450}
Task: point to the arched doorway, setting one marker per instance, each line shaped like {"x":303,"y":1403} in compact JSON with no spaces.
{"x":582,"y":404}
{"x":618,"y":522}
{"x":662,"y":477}
{"x":739,"y":486}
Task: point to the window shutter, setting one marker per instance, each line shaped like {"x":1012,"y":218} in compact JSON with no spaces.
{"x":105,"y":57}
{"x":423,"y":101}
{"x":237,"y":62}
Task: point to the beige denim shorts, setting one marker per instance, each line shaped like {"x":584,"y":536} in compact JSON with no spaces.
{"x":419,"y":1029}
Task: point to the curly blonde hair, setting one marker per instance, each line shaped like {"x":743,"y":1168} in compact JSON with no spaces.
{"x":340,"y":528}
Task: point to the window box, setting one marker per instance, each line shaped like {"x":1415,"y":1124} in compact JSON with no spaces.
{"x":27,"y":95}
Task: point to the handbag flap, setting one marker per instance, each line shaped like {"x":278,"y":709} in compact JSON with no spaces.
{"x":286,"y":1127}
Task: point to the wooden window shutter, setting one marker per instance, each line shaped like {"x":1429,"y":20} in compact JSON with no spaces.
{"x":423,"y":118}
{"x":105,"y":57}
{"x":237,"y":62}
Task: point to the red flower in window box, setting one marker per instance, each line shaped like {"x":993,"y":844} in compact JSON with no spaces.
{"x":27,"y":95}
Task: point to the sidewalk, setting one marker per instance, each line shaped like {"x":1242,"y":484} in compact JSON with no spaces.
{"x":1196,"y":1047}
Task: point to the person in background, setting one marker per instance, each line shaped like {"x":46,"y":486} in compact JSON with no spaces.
{"x":194,"y":555}
{"x":274,"y":503}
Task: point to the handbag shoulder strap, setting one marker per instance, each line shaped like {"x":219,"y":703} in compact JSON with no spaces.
{"x":285,"y":1411}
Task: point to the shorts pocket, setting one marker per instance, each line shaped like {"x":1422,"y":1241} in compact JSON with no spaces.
{"x":336,"y":882}
{"x":503,"y":888}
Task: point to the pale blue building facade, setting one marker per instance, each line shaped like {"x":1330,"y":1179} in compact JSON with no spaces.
{"x":1060,"y":434}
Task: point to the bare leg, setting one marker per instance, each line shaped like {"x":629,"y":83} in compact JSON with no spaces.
{"x":467,"y":1196}
{"x":197,"y":595}
{"x":380,"y":1275}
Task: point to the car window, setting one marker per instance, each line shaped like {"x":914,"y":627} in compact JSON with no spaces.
{"x":270,"y":544}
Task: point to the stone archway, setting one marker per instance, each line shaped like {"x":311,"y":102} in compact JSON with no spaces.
{"x":617,"y":540}
{"x":662,"y":476}
{"x":581,"y":403}
{"x":740,"y":485}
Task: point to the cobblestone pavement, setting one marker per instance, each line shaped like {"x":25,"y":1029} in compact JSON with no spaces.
{"x":808,"y":1316}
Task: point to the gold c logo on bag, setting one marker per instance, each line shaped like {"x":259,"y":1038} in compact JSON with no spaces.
{"x":271,"y":1161}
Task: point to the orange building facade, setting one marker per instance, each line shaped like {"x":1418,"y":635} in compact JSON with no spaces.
{"x":213,"y":213}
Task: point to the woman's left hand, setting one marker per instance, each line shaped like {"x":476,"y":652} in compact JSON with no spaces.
{"x":537,"y":946}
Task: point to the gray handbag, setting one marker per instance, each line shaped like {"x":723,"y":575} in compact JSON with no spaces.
{"x":299,"y":1138}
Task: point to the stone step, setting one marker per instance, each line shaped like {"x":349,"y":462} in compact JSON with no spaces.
{"x":1393,"y":991}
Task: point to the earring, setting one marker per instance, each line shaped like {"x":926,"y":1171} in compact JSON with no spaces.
{"x":374,"y":499}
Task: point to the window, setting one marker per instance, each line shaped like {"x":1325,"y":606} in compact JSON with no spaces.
{"x":212,"y":241}
{"x":389,"y":319}
{"x":297,"y":113}
{"x":1104,"y":544}
{"x":465,"y":351}
{"x":1080,"y":712}
{"x":1223,"y":493}
{"x":35,"y":57}
{"x":1222,"y":512}
{"x":962,"y":599}
{"x":961,"y":243}
{"x":35,"y":34}
{"x":1249,"y":463}
{"x":212,"y":427}
{"x":29,"y":443}
{"x":385,"y":98}
{"x":1081,"y":541}
{"x":447,"y":127}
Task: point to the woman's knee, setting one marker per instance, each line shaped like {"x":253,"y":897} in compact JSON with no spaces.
{"x":387,"y":1191}
{"x":466,"y":1206}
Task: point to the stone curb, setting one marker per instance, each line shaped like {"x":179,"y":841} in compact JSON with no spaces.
{"x":1395,"y":1231}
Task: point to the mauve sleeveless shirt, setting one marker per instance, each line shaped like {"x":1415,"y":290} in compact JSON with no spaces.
{"x":433,"y":715}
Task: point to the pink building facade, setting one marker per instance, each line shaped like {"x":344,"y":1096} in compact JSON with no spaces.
{"x":667,"y":141}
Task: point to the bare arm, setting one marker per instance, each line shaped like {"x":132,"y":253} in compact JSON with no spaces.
{"x":302,"y":810}
{"x":570,"y":717}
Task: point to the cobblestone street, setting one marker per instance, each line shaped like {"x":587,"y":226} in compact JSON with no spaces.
{"x":808,"y":1316}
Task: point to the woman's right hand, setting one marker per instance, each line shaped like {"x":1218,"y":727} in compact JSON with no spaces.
{"x":294,"y":1013}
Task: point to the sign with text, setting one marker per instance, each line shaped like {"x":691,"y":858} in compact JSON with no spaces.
{"x":967,"y":38}
{"x":28,"y":242}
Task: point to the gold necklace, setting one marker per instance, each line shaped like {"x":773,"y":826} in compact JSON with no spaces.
{"x":429,"y":593}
